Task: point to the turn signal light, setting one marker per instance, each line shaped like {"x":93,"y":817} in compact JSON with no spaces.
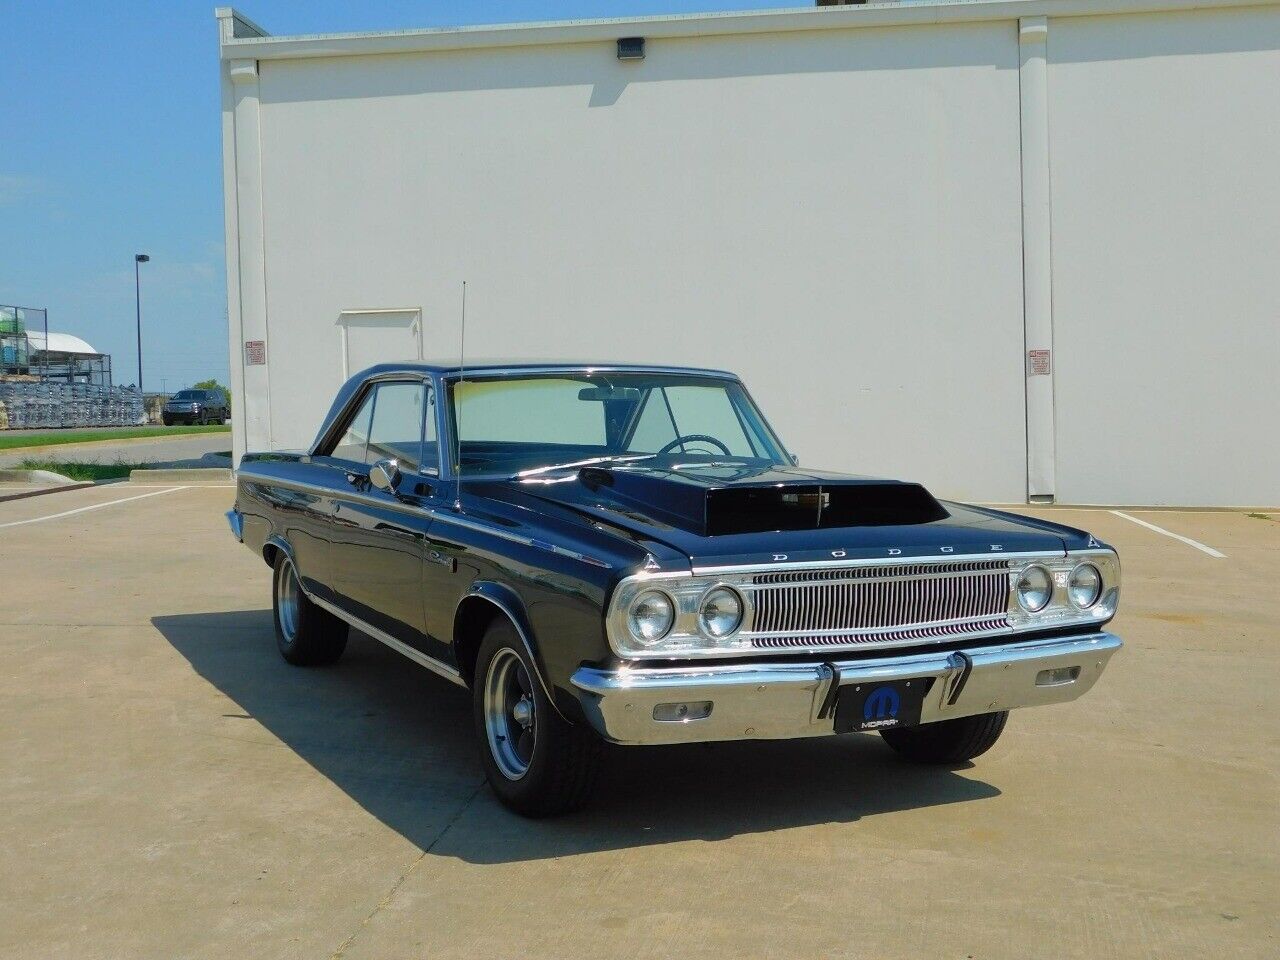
{"x":1056,"y":678}
{"x":683,"y":712}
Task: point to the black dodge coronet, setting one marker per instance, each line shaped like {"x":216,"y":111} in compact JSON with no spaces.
{"x":629,"y":553}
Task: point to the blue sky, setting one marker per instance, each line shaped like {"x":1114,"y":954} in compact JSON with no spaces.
{"x":111,"y":138}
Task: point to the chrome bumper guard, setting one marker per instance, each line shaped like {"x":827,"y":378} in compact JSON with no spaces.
{"x":236,"y":520}
{"x":769,"y":701}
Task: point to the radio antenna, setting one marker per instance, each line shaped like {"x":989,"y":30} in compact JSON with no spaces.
{"x":457,"y":406}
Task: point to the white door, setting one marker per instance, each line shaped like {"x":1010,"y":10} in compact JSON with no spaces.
{"x":379,"y":336}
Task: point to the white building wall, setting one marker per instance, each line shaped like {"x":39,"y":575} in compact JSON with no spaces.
{"x":1165,"y":134}
{"x":837,"y":214}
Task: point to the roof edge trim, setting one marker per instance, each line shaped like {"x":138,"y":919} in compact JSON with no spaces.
{"x":234,"y":45}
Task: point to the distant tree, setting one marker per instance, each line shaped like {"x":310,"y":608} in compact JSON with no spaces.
{"x":213,"y":385}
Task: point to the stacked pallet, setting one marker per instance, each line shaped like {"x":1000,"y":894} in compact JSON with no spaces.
{"x":31,"y":403}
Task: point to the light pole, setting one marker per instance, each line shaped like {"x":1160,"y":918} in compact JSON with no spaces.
{"x":138,"y":258}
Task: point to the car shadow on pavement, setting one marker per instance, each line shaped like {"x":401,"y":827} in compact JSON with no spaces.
{"x":394,"y":738}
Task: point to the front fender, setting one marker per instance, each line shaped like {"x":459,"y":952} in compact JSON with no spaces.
{"x":512,"y":606}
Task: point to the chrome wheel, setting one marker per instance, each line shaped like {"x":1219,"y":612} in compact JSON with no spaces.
{"x":288,"y":591}
{"x":510,"y":714}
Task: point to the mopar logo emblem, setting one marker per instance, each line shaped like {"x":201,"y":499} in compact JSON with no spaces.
{"x":882,"y":703}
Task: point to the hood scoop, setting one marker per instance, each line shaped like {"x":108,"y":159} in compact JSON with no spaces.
{"x":758,"y":508}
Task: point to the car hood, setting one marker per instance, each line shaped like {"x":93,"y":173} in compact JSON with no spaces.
{"x":725,"y":514}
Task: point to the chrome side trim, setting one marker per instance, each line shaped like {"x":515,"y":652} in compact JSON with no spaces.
{"x":441,"y":513}
{"x":417,"y":656}
{"x":353,"y":496}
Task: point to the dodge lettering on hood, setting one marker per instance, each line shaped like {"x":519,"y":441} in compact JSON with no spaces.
{"x":607,"y":552}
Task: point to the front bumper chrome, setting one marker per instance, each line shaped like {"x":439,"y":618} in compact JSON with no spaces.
{"x":769,"y":701}
{"x":235,"y":519}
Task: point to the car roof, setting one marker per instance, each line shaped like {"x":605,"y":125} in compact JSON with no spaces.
{"x":492,"y":366}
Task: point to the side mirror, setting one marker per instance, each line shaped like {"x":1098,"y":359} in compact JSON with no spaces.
{"x":384,"y":474}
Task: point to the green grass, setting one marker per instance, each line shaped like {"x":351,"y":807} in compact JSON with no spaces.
{"x":83,"y":471}
{"x":19,"y":441}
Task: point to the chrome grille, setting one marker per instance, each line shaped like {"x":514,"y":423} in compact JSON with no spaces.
{"x":878,"y":605}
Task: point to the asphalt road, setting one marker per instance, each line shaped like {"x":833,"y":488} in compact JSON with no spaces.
{"x":173,"y":450}
{"x":172,"y":789}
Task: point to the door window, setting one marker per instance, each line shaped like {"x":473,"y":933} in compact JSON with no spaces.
{"x":396,"y":429}
{"x":351,"y":445}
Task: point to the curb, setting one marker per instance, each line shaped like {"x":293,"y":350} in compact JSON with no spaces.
{"x":58,"y":482}
{"x":28,"y":494}
{"x":193,"y":475}
{"x":34,"y":476}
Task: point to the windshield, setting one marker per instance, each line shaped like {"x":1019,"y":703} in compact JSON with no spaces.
{"x":189,"y":395}
{"x":514,"y":425}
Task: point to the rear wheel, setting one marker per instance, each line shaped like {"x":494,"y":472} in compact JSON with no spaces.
{"x":948,"y":741}
{"x":306,"y":635}
{"x":537,"y":763}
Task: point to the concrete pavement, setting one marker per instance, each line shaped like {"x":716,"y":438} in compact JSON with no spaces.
{"x":172,"y":789}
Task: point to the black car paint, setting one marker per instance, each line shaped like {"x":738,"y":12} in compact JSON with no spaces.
{"x":415,"y":562}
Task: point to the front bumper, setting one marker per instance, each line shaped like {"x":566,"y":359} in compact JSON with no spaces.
{"x":769,"y":701}
{"x":235,"y":519}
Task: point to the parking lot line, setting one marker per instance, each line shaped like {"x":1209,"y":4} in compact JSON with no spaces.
{"x":96,"y":506}
{"x":1176,"y":536}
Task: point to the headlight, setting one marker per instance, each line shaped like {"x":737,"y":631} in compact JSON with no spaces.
{"x":1085,"y":586}
{"x":650,"y":617}
{"x":1035,"y":588}
{"x":721,"y":612}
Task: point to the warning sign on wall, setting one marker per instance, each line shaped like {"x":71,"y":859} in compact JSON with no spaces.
{"x":255,"y":353}
{"x":1038,"y":363}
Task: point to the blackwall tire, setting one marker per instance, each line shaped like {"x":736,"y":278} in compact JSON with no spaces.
{"x":306,"y":635}
{"x":948,"y":741}
{"x":538,"y":764}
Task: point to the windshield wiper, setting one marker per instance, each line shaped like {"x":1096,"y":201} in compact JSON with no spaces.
{"x":536,"y":471}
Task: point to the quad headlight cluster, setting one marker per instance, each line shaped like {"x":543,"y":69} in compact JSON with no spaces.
{"x":677,"y":616}
{"x":1058,"y":591}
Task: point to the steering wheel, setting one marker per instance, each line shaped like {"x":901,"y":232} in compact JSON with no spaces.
{"x":690,"y":438}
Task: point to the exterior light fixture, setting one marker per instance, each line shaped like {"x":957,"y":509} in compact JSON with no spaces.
{"x":631,"y":48}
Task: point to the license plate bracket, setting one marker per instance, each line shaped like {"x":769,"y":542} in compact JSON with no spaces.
{"x":881,"y":704}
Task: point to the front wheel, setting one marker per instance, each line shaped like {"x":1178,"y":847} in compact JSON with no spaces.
{"x":306,"y":635}
{"x":537,"y":763}
{"x":948,"y":741}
